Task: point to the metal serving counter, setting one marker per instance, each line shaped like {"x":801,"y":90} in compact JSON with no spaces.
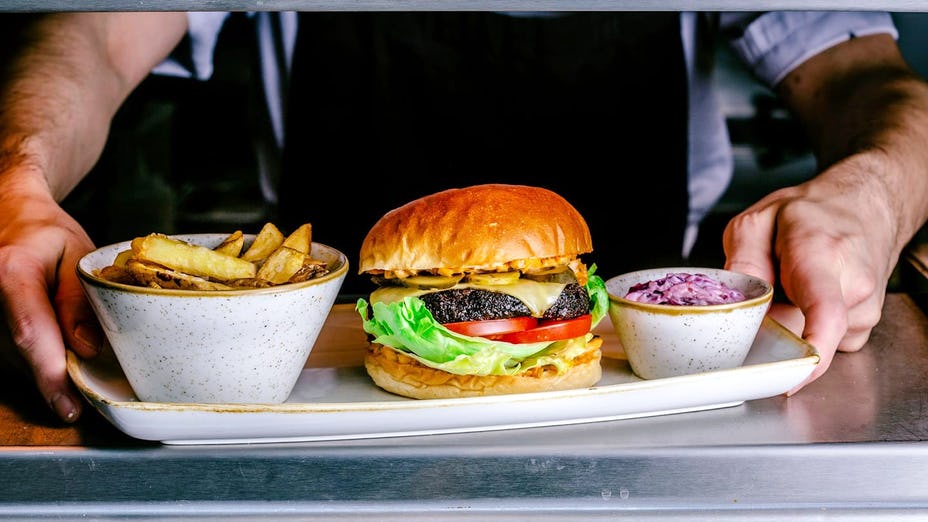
{"x":852,"y":444}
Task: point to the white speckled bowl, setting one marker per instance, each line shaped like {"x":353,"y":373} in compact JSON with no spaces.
{"x":239,"y":346}
{"x":671,"y":340}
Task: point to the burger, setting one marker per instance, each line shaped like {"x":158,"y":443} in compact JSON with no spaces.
{"x":482,"y":291}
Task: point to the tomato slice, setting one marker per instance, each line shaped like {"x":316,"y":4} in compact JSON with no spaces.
{"x":492,"y":327}
{"x":550,"y":331}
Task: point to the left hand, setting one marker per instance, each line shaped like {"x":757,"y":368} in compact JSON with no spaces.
{"x":830,"y":244}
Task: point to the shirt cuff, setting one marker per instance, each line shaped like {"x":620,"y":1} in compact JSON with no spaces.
{"x":775,"y":43}
{"x":194,"y":58}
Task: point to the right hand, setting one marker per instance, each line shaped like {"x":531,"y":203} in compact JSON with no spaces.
{"x":41,"y":297}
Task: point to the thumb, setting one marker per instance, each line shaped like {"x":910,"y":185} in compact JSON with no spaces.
{"x":78,"y":323}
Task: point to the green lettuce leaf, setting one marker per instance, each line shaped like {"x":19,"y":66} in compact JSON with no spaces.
{"x":599,"y":296}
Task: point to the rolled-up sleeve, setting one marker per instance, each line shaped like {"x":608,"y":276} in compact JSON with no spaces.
{"x":193,"y":58}
{"x":774,"y":43}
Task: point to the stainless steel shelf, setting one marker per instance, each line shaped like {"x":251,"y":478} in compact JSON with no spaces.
{"x":470,"y":481}
{"x":459,"y":5}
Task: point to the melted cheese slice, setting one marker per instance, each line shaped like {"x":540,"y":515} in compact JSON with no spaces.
{"x":538,"y":297}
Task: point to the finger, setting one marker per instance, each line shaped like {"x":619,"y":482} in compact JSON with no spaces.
{"x":822,"y":303}
{"x":789,"y":316}
{"x":863,"y":318}
{"x":861,"y":321}
{"x":75,"y":316}
{"x":748,"y":242}
{"x":36,"y":334}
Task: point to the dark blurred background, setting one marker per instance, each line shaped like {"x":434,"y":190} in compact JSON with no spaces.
{"x":169,"y":168}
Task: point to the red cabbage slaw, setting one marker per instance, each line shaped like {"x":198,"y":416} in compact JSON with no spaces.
{"x":684,"y":289}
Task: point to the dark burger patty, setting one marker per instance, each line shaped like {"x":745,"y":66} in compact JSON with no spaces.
{"x":469,"y":304}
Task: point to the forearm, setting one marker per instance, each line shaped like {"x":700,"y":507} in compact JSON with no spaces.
{"x":879,"y":109}
{"x":64,"y":85}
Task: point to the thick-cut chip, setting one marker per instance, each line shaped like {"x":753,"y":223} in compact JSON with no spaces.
{"x":311,"y":269}
{"x":253,"y":282}
{"x":156,"y":276}
{"x":118,"y":274}
{"x":267,"y":241}
{"x":300,"y":239}
{"x":191,"y":259}
{"x":280,"y":266}
{"x":123,"y":258}
{"x":232,"y":245}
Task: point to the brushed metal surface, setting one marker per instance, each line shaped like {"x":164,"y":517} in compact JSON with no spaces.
{"x":851,"y":446}
{"x":560,"y":479}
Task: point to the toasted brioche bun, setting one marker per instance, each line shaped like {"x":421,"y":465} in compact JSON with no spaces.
{"x":482,"y":227}
{"x":400,"y":374}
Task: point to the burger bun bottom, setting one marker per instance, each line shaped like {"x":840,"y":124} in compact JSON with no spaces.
{"x":400,"y":374}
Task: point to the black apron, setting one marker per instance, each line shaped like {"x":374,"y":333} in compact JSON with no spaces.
{"x":387,"y":107}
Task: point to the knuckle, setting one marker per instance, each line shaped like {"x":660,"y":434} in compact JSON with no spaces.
{"x":25,"y":336}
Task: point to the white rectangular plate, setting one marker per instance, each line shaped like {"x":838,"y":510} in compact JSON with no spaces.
{"x":335,"y":399}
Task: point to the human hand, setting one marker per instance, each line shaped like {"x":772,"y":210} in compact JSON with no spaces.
{"x":831,"y":244}
{"x":67,"y":74}
{"x":40,"y":294}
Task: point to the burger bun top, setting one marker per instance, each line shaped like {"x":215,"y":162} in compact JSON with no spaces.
{"x":481,"y":227}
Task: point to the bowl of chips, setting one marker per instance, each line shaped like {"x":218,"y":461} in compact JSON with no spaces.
{"x":213,"y":318}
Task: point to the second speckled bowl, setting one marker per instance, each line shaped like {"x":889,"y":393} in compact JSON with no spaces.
{"x":662,"y":340}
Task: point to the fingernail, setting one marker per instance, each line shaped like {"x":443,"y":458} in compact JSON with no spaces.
{"x":90,"y":335}
{"x":65,"y":408}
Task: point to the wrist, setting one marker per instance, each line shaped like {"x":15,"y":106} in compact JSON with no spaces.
{"x":884,"y":188}
{"x":21,"y":167}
